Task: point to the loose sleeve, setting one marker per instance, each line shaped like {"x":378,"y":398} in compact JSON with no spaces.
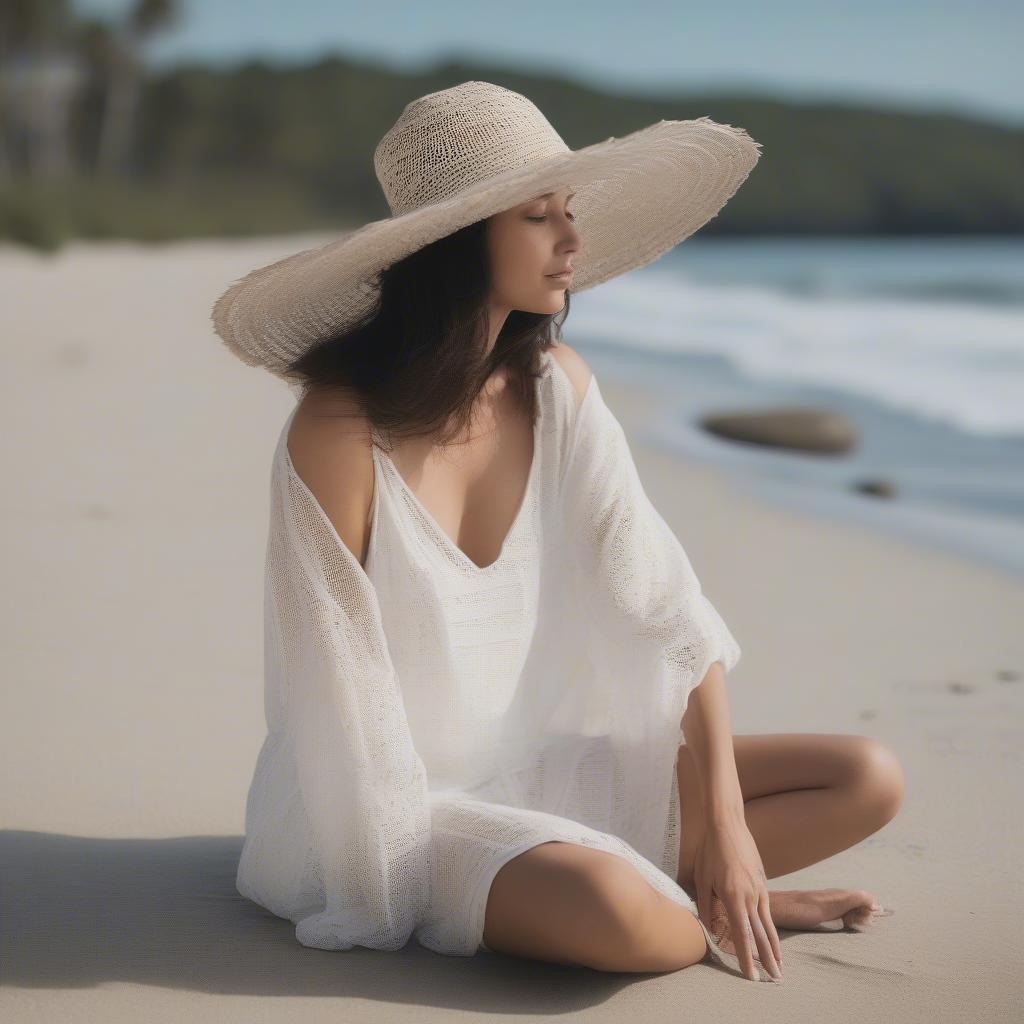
{"x":633,"y":571}
{"x":356,"y":826}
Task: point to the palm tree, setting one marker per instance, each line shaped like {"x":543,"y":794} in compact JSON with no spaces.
{"x":124,"y":70}
{"x":39,"y":79}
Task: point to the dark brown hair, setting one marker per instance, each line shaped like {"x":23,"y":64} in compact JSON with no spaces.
{"x":418,"y":360}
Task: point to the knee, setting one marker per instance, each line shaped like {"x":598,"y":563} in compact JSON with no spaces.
{"x":879,"y":777}
{"x":573,"y":905}
{"x":622,"y":901}
{"x":641,"y":930}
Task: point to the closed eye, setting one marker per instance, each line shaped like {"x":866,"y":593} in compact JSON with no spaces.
{"x":540,"y":220}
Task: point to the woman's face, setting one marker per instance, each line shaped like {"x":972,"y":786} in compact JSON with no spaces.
{"x":526,"y":245}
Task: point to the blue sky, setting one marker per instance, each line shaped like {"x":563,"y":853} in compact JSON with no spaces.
{"x":938,"y":55}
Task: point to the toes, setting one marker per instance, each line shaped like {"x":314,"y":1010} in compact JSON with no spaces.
{"x":862,"y":918}
{"x":858,"y":916}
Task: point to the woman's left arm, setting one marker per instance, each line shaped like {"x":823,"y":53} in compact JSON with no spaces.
{"x":642,"y":589}
{"x":727,"y":861}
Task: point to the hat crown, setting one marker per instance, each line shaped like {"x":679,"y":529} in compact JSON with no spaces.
{"x":448,"y":140}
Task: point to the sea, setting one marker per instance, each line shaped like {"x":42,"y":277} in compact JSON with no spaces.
{"x":919,"y":342}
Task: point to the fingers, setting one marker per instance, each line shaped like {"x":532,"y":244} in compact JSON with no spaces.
{"x":764,"y":943}
{"x":748,"y":932}
{"x":764,"y":907}
{"x":739,"y":932}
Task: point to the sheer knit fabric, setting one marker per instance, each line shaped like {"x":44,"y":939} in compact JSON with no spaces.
{"x":428,"y":719}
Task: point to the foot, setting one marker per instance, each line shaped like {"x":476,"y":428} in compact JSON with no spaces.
{"x":807,"y":908}
{"x":799,"y":909}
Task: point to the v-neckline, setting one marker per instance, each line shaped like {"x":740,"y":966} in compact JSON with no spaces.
{"x":521,"y":512}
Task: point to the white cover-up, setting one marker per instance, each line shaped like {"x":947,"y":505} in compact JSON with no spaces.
{"x":428,"y":718}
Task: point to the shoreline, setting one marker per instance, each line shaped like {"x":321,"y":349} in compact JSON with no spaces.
{"x":645,"y":413}
{"x":134,"y":711}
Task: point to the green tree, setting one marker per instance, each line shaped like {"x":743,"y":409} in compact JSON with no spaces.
{"x":121,"y":52}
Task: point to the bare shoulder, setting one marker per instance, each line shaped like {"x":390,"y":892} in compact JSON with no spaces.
{"x":329,"y":445}
{"x":575,"y":367}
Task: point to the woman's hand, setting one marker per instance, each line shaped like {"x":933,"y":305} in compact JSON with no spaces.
{"x":727,"y":864}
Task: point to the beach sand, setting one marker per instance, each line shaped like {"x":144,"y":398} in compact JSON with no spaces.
{"x":135,"y":510}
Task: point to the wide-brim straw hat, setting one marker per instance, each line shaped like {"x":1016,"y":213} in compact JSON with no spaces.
{"x":462,"y":154}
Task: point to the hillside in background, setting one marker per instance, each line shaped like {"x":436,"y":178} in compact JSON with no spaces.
{"x":262,"y":149}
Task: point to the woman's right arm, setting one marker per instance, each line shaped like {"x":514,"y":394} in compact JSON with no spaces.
{"x":362,"y":813}
{"x":333,"y":458}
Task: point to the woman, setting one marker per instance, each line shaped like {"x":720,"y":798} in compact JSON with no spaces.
{"x":484,"y":646}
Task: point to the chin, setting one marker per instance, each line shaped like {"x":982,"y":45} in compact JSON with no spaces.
{"x":553,"y":304}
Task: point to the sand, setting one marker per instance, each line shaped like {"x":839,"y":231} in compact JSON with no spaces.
{"x":137,"y":461}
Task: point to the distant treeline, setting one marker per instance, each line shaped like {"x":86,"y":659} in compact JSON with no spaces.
{"x":262,"y":149}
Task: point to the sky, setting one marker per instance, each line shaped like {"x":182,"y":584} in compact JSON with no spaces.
{"x":923,"y":55}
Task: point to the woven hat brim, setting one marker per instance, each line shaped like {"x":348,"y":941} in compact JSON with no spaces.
{"x":636,"y":198}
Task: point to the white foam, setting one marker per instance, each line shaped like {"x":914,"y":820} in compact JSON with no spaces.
{"x":957,"y":362}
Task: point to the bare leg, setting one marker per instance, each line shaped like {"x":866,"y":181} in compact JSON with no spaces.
{"x":569,"y":904}
{"x":806,"y":797}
